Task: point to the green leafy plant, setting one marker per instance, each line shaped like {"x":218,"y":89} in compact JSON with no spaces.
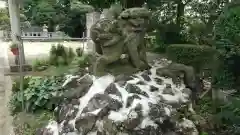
{"x":228,"y":116}
{"x":13,"y":45}
{"x":16,"y":84}
{"x":37,"y":95}
{"x":230,"y":112}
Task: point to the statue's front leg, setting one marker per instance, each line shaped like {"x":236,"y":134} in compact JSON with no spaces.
{"x":99,"y":67}
{"x":133,"y":53}
{"x":143,"y":55}
{"x":137,"y":52}
{"x":111,"y":54}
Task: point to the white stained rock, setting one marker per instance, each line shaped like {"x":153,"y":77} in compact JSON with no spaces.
{"x":53,"y":128}
{"x":69,"y":78}
{"x":188,"y":125}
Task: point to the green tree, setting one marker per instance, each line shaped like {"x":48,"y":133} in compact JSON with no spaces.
{"x":227,"y":39}
{"x":4,"y":20}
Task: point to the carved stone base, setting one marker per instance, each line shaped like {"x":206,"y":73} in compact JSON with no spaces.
{"x":122,"y":66}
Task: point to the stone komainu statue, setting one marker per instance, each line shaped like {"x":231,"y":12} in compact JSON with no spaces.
{"x":134,"y":23}
{"x":116,"y":36}
{"x":108,"y":43}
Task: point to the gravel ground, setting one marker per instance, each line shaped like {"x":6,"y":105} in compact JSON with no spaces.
{"x":5,"y":92}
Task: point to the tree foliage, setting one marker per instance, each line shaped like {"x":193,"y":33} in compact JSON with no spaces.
{"x":4,"y":19}
{"x":227,"y":31}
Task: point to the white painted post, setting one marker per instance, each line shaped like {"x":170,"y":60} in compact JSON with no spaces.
{"x":91,"y":18}
{"x":13,"y":6}
{"x":14,"y":12}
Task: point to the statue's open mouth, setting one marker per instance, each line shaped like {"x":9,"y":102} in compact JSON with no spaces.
{"x":138,"y":29}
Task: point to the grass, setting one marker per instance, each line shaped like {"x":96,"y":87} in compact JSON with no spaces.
{"x":52,"y":70}
{"x":28,"y":124}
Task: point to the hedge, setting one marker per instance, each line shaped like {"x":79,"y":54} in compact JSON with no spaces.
{"x":198,"y":56}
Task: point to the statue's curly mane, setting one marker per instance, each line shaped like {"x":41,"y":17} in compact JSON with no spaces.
{"x":97,"y":28}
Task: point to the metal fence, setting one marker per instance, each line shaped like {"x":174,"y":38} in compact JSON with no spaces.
{"x":43,"y":36}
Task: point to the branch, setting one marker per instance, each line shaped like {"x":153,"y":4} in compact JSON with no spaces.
{"x":188,"y":1}
{"x":201,"y":96}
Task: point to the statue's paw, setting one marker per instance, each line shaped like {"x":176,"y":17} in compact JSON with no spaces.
{"x":144,"y":66}
{"x":148,"y":67}
{"x":100,"y":73}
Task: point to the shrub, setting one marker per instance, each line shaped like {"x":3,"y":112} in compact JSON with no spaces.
{"x":53,"y":55}
{"x":61,"y":50}
{"x":199,"y":57}
{"x":79,"y":52}
{"x":70,"y":54}
{"x":60,"y":55}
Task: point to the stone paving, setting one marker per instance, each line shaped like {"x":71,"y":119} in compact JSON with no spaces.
{"x":5,"y":92}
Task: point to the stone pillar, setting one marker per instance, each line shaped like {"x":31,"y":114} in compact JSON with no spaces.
{"x":91,"y":18}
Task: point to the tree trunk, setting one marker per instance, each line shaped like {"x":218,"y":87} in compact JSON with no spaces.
{"x":134,"y":3}
{"x":180,"y":13}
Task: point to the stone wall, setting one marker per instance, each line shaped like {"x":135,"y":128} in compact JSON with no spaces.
{"x":91,"y":18}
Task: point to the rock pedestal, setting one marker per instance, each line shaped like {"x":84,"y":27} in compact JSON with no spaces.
{"x":136,"y":104}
